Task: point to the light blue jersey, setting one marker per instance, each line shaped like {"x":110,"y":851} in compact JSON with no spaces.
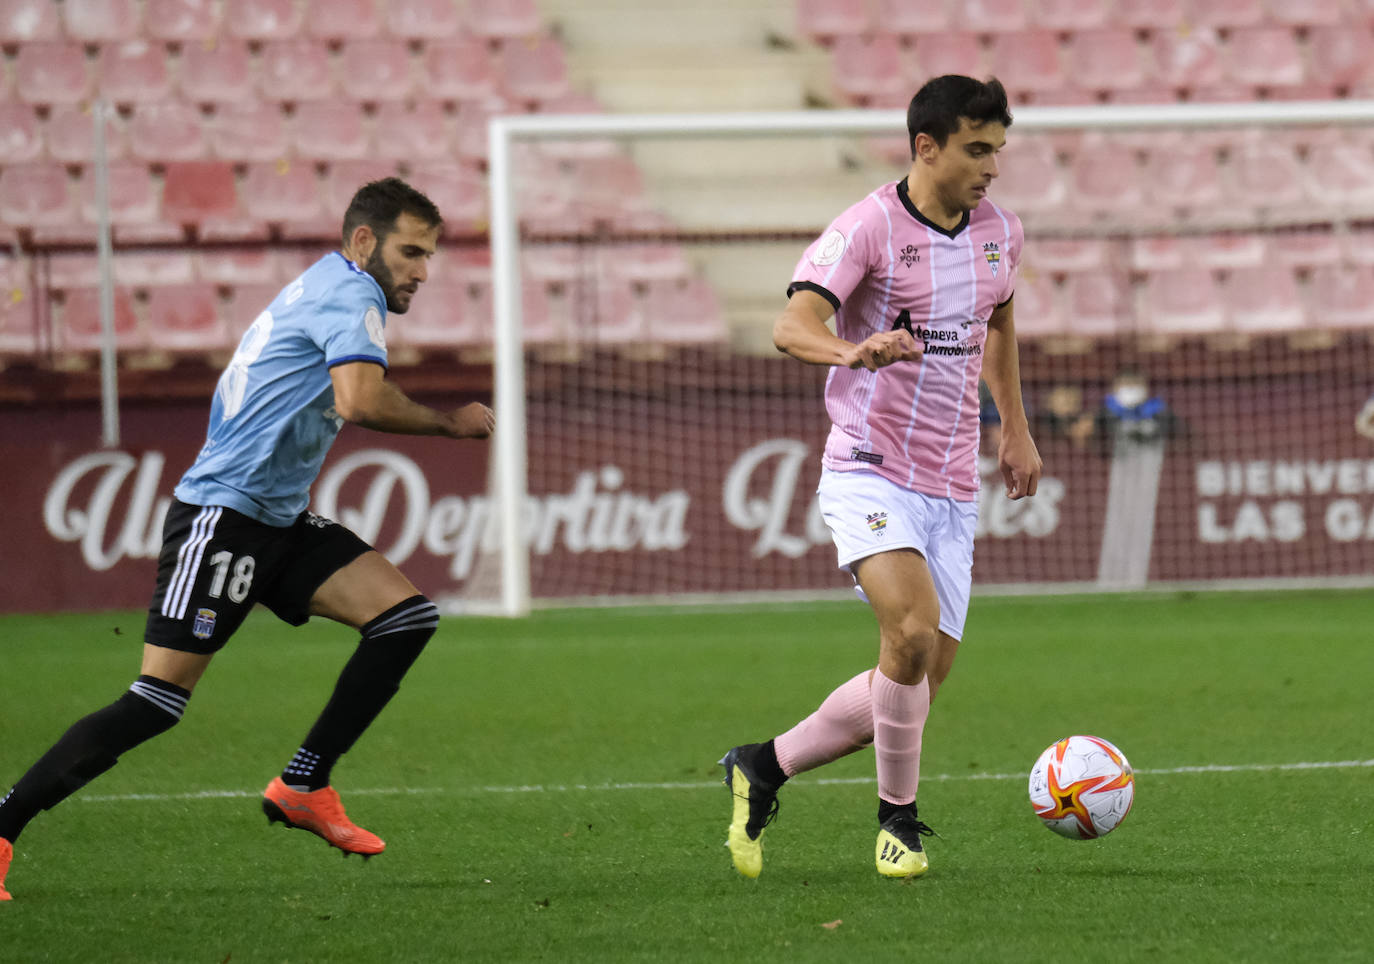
{"x":272,"y":419}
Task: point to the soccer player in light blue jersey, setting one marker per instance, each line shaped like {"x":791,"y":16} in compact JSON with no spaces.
{"x":238,"y":533}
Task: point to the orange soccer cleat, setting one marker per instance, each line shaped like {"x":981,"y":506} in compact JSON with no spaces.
{"x":6,"y":855}
{"x":320,"y":812}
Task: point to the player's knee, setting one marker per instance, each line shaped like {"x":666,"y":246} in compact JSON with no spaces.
{"x":912,"y":642}
{"x":396,"y":638}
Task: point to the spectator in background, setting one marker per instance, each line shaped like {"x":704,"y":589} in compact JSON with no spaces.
{"x":1062,"y":415}
{"x":1130,"y":413}
{"x":1364,"y":421}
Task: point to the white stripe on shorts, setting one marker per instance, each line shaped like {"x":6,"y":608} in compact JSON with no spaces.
{"x":188,"y":562}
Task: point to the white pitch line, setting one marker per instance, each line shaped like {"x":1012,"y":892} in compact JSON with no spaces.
{"x":699,"y":785}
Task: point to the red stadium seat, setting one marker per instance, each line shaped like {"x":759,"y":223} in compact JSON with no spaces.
{"x":1264,"y":57}
{"x":35,"y":195}
{"x":504,"y":19}
{"x":192,"y":192}
{"x":77,"y":321}
{"x":1106,"y":59}
{"x":945,"y":53}
{"x":21,"y":138}
{"x":825,"y":21}
{"x":1070,"y":15}
{"x":134,"y":71}
{"x":342,"y":19}
{"x":20,"y":336}
{"x":1097,"y":304}
{"x":868,"y":69}
{"x":217,"y":72}
{"x":182,"y":20}
{"x":993,"y":16}
{"x":52,"y":73}
{"x":345,"y":177}
{"x":1341,"y":297}
{"x":1224,"y":13}
{"x":1183,"y":302}
{"x":1309,"y":13}
{"x":685,"y":313}
{"x":1265,"y":172}
{"x":1237,"y":250}
{"x":1105,"y":176}
{"x":330,"y":130}
{"x":414,"y":132}
{"x":24,"y":21}
{"x":236,"y":267}
{"x":1149,"y":14}
{"x":1160,"y":253}
{"x":1030,"y":178}
{"x":459,"y":69}
{"x":460,"y":192}
{"x":133,"y":195}
{"x":291,"y":70}
{"x":1028,"y":61}
{"x":1263,"y":299}
{"x":186,"y":317}
{"x":376,"y":70}
{"x":1189,"y":59}
{"x":534,"y":69}
{"x":265,"y":19}
{"x":281,"y":193}
{"x":1066,"y":254}
{"x":167,"y":131}
{"x":425,"y":20}
{"x":1183,"y":174}
{"x":102,"y":21}
{"x":134,"y":269}
{"x":470,"y":127}
{"x":250,"y":131}
{"x":1037,"y":305}
{"x":910,"y":20}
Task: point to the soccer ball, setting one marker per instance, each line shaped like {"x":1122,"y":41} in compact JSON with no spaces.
{"x":1082,"y":787}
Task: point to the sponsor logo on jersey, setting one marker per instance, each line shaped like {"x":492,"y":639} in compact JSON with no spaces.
{"x":859,"y":455}
{"x":829,"y":248}
{"x":910,"y":255}
{"x":204,"y":625}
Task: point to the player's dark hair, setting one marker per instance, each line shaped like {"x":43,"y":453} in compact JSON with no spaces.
{"x":379,"y":203}
{"x":941,"y":101}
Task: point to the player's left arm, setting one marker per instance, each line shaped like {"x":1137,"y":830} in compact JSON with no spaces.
{"x":1017,"y":455}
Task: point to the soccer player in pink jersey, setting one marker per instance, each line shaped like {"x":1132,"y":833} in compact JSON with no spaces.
{"x":919,"y":277}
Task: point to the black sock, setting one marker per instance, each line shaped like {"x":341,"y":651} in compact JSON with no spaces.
{"x":90,"y":747}
{"x":764,"y":761}
{"x":390,"y":645}
{"x":886,"y":810}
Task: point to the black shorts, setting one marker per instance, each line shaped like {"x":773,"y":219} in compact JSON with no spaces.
{"x":216,"y":563}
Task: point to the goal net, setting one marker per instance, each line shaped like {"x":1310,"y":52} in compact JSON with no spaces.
{"x":1194,"y":312}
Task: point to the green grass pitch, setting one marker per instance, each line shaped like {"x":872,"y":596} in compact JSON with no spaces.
{"x":548,"y":792}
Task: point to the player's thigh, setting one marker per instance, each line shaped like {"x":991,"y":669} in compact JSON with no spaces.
{"x":899,"y":587}
{"x":361,"y":591}
{"x":174,"y":666}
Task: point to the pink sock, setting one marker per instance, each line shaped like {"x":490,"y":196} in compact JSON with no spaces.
{"x":899,"y":718}
{"x":842,"y":724}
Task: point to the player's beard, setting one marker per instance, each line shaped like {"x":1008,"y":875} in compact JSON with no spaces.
{"x":382,"y":275}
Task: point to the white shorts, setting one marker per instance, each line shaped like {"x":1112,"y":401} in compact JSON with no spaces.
{"x":868,"y":514}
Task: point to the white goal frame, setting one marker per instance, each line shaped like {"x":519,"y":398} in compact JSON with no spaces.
{"x":509,"y":442}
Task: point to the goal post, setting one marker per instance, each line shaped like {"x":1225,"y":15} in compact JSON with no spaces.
{"x":1230,"y":499}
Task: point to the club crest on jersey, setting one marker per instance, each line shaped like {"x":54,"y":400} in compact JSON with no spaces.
{"x":877,"y":521}
{"x":830,"y":248}
{"x":204,"y":626}
{"x":993,"y":255}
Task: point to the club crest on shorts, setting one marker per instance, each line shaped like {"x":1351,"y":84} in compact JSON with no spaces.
{"x":204,"y":625}
{"x":877,"y":521}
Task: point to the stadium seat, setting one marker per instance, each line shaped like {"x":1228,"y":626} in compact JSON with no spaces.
{"x":52,"y":73}
{"x":413,"y":132}
{"x":330,"y":130}
{"x":345,"y":177}
{"x":133,"y":195}
{"x":1037,"y":305}
{"x":1028,"y":62}
{"x":460,"y":193}
{"x":1338,"y":175}
{"x":504,"y":19}
{"x":685,"y":312}
{"x":1187,"y":58}
{"x":1341,"y":296}
{"x":235,"y":267}
{"x":1356,"y":247}
{"x":265,"y":19}
{"x":1231,"y":250}
{"x":1183,"y":302}
{"x":866,"y":70}
{"x":470,"y":127}
{"x":216,"y":72}
{"x":1263,"y":299}
{"x":426,"y":20}
{"x":250,"y":131}
{"x":34,"y":195}
{"x":342,"y":19}
{"x":21,"y":138}
{"x":1105,"y":59}
{"x":102,"y":21}
{"x":1264,"y":57}
{"x":1224,"y":13}
{"x":20,"y":336}
{"x":142,"y":269}
{"x":281,"y":193}
{"x":460,"y":69}
{"x":1264,"y":172}
{"x":825,"y":21}
{"x":194,"y":191}
{"x":186,"y":318}
{"x":1105,"y":176}
{"x":1030,"y":178}
{"x":1097,"y":304}
{"x":294,"y":70}
{"x":1309,"y":13}
{"x":945,"y":53}
{"x":191,"y":21}
{"x":134,"y":71}
{"x":375,"y":70}
{"x":1183,"y":173}
{"x":993,"y":16}
{"x":910,"y":20}
{"x":1156,"y":253}
{"x":1063,"y":255}
{"x":1070,"y":15}
{"x":25,"y":21}
{"x":77,"y":326}
{"x":1340,"y":55}
{"x":534,"y":69}
{"x":168,"y":131}
{"x":1295,"y":247}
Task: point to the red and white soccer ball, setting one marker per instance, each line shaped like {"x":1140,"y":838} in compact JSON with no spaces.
{"x":1082,"y":787}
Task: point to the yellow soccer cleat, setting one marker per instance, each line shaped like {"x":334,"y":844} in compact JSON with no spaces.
{"x":322,"y":814}
{"x":899,"y":852}
{"x":754,"y":804}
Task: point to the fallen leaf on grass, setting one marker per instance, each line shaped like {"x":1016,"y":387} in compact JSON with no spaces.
{"x":832,"y":925}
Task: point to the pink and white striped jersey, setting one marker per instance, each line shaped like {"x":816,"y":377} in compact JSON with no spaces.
{"x":883,"y":265}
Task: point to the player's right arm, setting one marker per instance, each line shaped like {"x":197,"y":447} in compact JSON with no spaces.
{"x":363,"y":396}
{"x":801,"y":332}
